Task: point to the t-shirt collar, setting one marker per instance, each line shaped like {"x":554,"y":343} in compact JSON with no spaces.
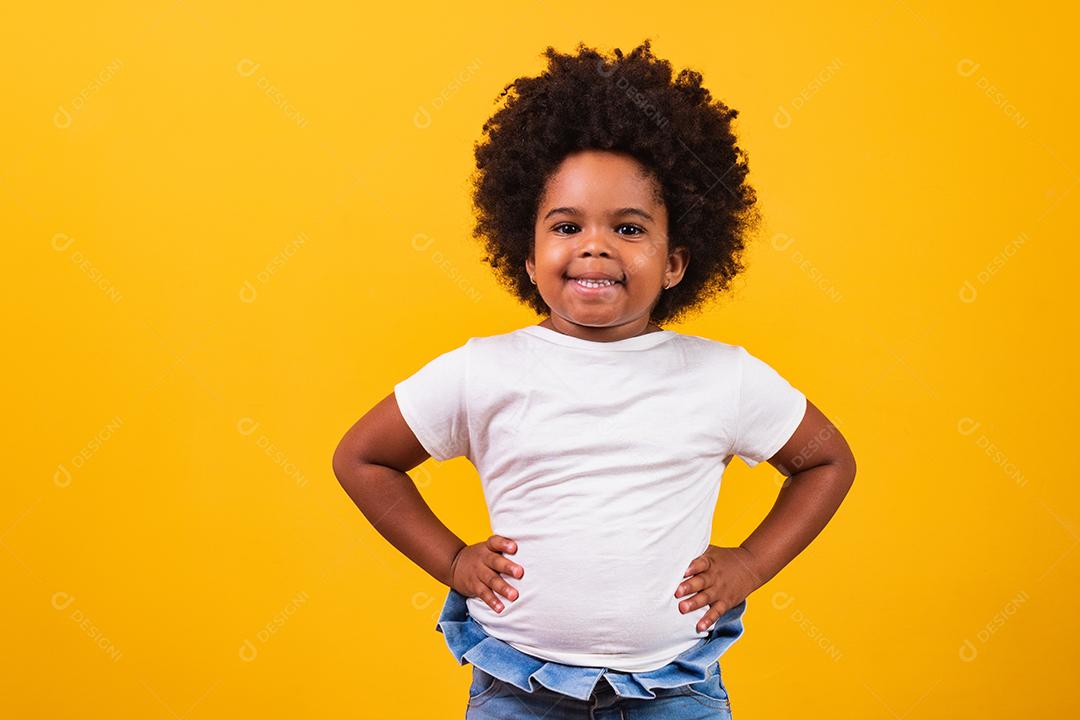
{"x":638,"y":342}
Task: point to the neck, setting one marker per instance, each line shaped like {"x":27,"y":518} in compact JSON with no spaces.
{"x":600,"y":334}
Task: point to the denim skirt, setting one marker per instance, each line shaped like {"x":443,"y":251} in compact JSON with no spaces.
{"x":508,"y":683}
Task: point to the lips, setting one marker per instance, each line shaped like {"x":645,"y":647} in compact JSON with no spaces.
{"x":594,"y":288}
{"x":596,"y":276}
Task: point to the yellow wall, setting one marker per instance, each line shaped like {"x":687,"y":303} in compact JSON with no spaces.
{"x":218,"y":220}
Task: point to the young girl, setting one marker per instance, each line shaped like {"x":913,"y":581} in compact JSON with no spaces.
{"x":613,"y":200}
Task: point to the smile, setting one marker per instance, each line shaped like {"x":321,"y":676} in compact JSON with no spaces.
{"x":594,"y":288}
{"x":595,"y":283}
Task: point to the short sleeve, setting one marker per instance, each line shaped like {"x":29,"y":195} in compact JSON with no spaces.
{"x":433,"y":402}
{"x":769,"y":410}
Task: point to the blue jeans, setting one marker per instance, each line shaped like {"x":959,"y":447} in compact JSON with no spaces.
{"x":508,"y":683}
{"x":493,"y":699}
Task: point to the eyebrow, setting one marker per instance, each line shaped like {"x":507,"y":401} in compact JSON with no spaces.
{"x":615,"y":213}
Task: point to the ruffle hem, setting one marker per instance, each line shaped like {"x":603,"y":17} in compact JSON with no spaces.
{"x":469,"y":643}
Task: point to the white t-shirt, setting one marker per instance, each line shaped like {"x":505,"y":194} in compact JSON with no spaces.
{"x":602,"y":460}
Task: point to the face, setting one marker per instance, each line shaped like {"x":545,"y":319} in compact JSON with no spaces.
{"x":600,"y":256}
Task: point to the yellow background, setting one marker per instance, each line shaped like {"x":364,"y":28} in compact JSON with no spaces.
{"x":214,"y":213}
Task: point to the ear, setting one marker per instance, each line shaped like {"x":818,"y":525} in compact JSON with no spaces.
{"x":530,"y":264}
{"x":677,"y":262}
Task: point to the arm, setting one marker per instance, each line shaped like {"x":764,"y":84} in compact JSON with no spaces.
{"x":820,"y":469}
{"x":825,"y":469}
{"x":371,"y":462}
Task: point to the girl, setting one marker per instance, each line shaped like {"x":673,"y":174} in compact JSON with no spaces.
{"x":612,"y":200}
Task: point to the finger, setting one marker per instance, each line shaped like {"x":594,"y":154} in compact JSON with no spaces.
{"x":503,"y":588}
{"x":700,"y":599}
{"x":705,"y":621}
{"x":498,"y":543}
{"x":692,"y":585}
{"x":508,"y":567}
{"x":489,"y":597}
{"x":714,"y":613}
{"x":696,"y":566}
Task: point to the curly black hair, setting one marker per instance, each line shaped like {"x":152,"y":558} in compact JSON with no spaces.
{"x":629,"y":104}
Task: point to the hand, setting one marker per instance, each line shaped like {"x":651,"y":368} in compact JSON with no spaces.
{"x":475,"y":571}
{"x":722,"y":577}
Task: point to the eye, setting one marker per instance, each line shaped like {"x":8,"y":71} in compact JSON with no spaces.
{"x":556,"y":228}
{"x":637,"y":229}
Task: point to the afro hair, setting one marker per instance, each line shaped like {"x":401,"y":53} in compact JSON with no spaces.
{"x":630,"y":104}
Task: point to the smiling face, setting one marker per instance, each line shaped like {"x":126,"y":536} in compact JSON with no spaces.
{"x":600,"y":256}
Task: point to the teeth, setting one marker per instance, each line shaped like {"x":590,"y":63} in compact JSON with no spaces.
{"x":594,"y":283}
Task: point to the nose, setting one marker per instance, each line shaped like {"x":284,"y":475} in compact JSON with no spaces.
{"x":594,"y":243}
